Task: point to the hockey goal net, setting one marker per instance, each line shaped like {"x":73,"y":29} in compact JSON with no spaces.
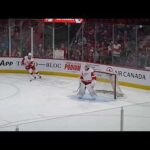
{"x":107,"y":83}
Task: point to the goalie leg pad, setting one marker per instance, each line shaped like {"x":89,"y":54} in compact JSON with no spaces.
{"x":81,"y":90}
{"x":91,"y":90}
{"x":93,"y":83}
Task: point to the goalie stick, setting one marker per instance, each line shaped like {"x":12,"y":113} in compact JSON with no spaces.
{"x":77,"y":89}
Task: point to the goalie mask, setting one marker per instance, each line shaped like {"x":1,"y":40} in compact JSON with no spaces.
{"x":29,"y":55}
{"x":86,"y":66}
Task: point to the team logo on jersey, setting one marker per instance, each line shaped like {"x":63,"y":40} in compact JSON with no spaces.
{"x":109,"y":69}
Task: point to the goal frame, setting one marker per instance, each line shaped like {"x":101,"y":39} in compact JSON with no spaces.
{"x":115,"y":80}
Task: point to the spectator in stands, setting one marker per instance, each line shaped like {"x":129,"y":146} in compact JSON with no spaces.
{"x":131,"y":60}
{"x":91,"y":55}
{"x":97,"y":53}
{"x":77,"y":54}
{"x":116,"y":52}
{"x":110,"y":48}
{"x":72,"y":55}
{"x":49,"y":53}
{"x":142,"y":58}
{"x":40,"y":51}
{"x":148,"y":57}
{"x":62,"y":47}
{"x":103,"y":53}
{"x":84,"y":40}
{"x":14,"y":52}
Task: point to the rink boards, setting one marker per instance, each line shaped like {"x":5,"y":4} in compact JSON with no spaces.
{"x":126,"y":76}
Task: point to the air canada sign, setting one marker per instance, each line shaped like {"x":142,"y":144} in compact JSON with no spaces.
{"x":72,"y":66}
{"x":133,"y":75}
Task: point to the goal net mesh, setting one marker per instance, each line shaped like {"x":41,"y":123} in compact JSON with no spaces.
{"x":107,"y":83}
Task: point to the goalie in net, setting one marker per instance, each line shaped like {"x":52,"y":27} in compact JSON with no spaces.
{"x":87,"y":81}
{"x":107,"y":83}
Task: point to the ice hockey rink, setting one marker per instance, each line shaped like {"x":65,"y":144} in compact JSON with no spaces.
{"x":51,"y":104}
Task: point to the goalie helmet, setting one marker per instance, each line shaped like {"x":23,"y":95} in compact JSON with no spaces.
{"x":87,"y":66}
{"x":29,"y":55}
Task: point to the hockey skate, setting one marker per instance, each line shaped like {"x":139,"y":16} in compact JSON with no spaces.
{"x":38,"y":75}
{"x":33,"y":79}
{"x":80,"y":97}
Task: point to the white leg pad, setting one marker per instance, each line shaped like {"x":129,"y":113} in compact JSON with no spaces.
{"x":91,"y":90}
{"x":82,"y":90}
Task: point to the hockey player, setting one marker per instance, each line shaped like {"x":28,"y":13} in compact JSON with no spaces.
{"x":29,"y":64}
{"x":87,"y":81}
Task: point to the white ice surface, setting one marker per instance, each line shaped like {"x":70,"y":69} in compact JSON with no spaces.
{"x":50,"y":104}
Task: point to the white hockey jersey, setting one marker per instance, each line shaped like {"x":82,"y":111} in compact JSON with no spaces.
{"x":26,"y":61}
{"x":87,"y":76}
